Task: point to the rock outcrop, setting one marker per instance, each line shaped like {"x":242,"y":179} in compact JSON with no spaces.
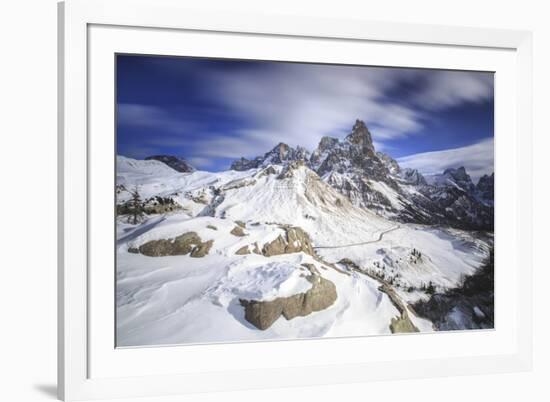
{"x":202,"y":249}
{"x":243,"y":251}
{"x":238,"y":231}
{"x":295,"y":240}
{"x":321,"y":295}
{"x":187,"y":243}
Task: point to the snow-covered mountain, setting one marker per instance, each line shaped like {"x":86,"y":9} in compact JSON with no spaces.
{"x":375,"y":181}
{"x":279,"y":251}
{"x":280,"y":154}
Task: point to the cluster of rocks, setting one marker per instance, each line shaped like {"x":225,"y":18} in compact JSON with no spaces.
{"x":150,"y":206}
{"x":294,"y":240}
{"x":238,"y":231}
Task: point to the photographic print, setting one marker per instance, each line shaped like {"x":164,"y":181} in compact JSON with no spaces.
{"x":270,"y":200}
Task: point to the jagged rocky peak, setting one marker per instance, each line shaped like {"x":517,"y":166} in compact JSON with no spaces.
{"x":327,"y":143}
{"x":360,"y":135}
{"x":283,"y":153}
{"x":243,"y":164}
{"x":486,"y":181}
{"x":178,"y":164}
{"x":413,"y":176}
{"x":280,"y":151}
{"x":485,"y":187}
{"x":458,"y":174}
{"x":354,"y":155}
{"x":460,"y":177}
{"x":279,"y":155}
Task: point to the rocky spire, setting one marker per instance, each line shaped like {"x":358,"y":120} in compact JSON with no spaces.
{"x":360,"y":135}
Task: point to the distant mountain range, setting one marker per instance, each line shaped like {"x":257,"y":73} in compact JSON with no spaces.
{"x":375,"y":181}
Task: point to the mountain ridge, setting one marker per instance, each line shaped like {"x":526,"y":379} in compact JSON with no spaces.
{"x":176,"y":163}
{"x":374,"y":180}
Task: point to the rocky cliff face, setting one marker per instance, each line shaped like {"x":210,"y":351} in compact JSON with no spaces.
{"x":178,"y":164}
{"x":375,"y":181}
{"x":485,"y":189}
{"x":413,"y":177}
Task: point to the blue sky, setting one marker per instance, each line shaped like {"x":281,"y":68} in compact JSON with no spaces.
{"x":211,"y":112}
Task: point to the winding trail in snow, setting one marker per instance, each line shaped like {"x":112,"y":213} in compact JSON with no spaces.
{"x":380,"y":237}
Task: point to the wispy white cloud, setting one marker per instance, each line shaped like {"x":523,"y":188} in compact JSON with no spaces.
{"x":298,"y":104}
{"x":153,"y":117}
{"x":478,"y":159}
{"x":445,"y":89}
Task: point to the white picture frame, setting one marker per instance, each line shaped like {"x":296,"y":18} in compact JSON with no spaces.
{"x":89,"y":365}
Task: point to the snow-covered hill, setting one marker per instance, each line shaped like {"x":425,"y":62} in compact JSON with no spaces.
{"x":276,"y":244}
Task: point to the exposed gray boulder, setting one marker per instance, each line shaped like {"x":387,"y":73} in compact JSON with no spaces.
{"x":202,"y":249}
{"x":243,"y":251}
{"x":238,"y":231}
{"x":275,"y":247}
{"x":294,"y":241}
{"x":184,"y":244}
{"x":321,"y":295}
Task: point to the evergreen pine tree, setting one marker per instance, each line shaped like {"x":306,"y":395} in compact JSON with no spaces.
{"x":136,"y":206}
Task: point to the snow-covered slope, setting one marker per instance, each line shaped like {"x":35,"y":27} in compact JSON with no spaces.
{"x":180,"y":299}
{"x":243,"y":220}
